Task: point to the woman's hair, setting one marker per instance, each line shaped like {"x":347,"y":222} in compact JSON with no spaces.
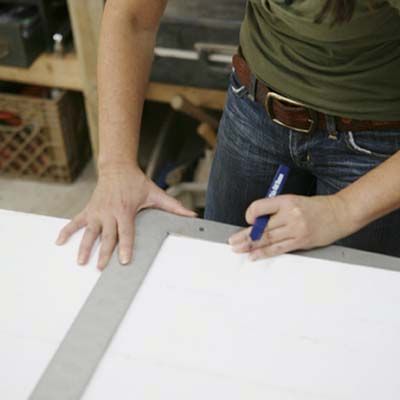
{"x":341,"y":11}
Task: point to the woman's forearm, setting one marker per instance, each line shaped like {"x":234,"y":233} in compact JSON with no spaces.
{"x":127,"y":40}
{"x":373,"y":195}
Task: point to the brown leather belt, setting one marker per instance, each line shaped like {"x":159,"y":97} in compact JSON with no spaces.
{"x":295,"y":115}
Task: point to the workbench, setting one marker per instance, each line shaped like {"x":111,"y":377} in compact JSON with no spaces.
{"x":73,"y":365}
{"x":61,"y":325}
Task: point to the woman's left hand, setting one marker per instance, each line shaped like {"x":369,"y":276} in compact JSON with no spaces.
{"x":296,"y":223}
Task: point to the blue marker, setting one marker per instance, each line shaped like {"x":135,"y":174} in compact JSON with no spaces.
{"x":275,"y":189}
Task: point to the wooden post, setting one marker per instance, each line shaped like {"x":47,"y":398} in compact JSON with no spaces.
{"x":86,"y":19}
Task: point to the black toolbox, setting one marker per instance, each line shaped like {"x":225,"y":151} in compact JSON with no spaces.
{"x":27,"y":28}
{"x":52,"y":13}
{"x":196,"y":42}
{"x":21,"y":35}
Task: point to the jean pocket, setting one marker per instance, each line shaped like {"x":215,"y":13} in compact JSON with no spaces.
{"x":236,"y":87}
{"x":376,"y":144}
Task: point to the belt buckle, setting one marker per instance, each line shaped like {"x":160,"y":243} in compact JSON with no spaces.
{"x":313,"y":115}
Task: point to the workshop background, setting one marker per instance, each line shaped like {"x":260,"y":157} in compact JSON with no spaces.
{"x":48,"y":100}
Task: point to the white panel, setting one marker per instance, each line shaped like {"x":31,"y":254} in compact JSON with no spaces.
{"x":208,"y":324}
{"x":41,"y":292}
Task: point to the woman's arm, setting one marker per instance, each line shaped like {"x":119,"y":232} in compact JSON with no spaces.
{"x":300,"y":222}
{"x":128,"y":33}
{"x":127,"y":40}
{"x":374,"y":195}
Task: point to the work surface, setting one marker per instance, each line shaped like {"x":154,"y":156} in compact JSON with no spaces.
{"x":41,"y":292}
{"x":205,"y":323}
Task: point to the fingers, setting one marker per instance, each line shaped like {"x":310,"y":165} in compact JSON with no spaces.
{"x":271,"y":237}
{"x":245,"y":244}
{"x":91,"y":234}
{"x":168,"y":203}
{"x":240,"y":237}
{"x":275,"y":249}
{"x":108,"y":243}
{"x":262,"y":207}
{"x":126,"y":236}
{"x":111,"y":231}
{"x":77,"y":223}
{"x":276,"y":221}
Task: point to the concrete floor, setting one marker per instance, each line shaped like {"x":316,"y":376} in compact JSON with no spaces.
{"x":56,"y":200}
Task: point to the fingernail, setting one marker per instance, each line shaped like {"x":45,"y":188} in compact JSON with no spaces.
{"x":253,"y":257}
{"x":58,"y":241}
{"x":81,"y":260}
{"x":124,"y":259}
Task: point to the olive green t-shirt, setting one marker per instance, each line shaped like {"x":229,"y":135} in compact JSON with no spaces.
{"x":350,"y":69}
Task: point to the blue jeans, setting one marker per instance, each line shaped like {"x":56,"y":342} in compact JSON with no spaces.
{"x":251,"y":146}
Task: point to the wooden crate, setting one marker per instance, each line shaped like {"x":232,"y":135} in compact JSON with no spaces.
{"x":45,"y":139}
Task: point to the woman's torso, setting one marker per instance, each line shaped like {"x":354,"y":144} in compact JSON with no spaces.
{"x":350,"y":69}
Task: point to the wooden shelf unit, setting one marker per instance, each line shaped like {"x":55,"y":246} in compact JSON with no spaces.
{"x":77,"y":71}
{"x":47,"y":70}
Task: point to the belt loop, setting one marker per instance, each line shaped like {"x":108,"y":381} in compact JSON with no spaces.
{"x":331,"y":127}
{"x":253,"y":88}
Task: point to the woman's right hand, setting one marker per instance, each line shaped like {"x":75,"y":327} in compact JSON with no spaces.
{"x":121,"y":192}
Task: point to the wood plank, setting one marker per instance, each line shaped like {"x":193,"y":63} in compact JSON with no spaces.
{"x":208,"y":98}
{"x":86,"y":19}
{"x":65,"y":72}
{"x":48,"y":70}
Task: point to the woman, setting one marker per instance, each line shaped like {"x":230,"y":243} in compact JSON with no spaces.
{"x":316,"y":86}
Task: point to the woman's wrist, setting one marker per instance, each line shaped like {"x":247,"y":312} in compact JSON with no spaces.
{"x":106,"y":167}
{"x":348,"y":215}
